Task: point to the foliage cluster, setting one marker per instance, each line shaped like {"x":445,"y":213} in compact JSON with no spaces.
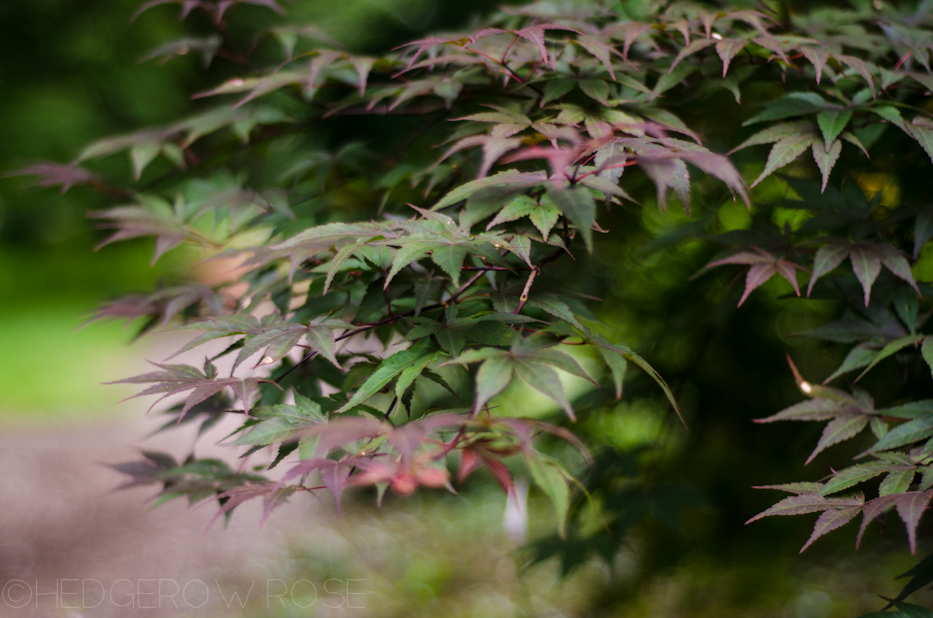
{"x":394,"y":292}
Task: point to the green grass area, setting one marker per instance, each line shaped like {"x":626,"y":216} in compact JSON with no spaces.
{"x":52,"y":370}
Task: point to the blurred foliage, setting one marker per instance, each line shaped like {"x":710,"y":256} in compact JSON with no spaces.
{"x":429,"y":556}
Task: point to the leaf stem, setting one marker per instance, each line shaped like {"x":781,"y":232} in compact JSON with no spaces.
{"x":501,"y":64}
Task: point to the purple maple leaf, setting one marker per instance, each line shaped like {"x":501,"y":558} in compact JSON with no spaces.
{"x":763,"y":265}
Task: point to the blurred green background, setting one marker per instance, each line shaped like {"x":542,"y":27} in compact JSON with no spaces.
{"x":70,"y":75}
{"x":72,"y":71}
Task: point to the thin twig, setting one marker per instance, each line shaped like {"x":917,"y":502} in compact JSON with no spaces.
{"x":108,"y":189}
{"x":463,"y":288}
{"x":388,"y":302}
{"x":495,"y":268}
{"x":508,"y":49}
{"x":389,"y":411}
{"x":608,"y":167}
{"x":527,"y":290}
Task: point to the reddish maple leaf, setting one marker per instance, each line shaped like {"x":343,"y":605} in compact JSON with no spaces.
{"x":174,"y":379}
{"x":763,"y":265}
{"x":55,"y":174}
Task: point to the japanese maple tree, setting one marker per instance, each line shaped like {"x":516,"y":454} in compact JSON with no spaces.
{"x":410,"y":227}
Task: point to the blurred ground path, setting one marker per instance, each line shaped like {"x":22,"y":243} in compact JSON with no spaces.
{"x":60,"y":519}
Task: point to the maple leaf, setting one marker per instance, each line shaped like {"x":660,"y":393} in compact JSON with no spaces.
{"x":527,"y":360}
{"x":763,"y":265}
{"x":691,"y":49}
{"x":807,"y":503}
{"x":727,"y":50}
{"x":186,"y":6}
{"x":340,"y":432}
{"x":154,"y":468}
{"x":493,"y":149}
{"x":841,"y":428}
{"x":273,"y":496}
{"x":775,"y":133}
{"x":794,"y":488}
{"x":388,"y":370}
{"x":793,"y":105}
{"x":921,"y":129}
{"x":198,"y":479}
{"x":600,"y":51}
{"x":816,"y":409}
{"x":831,"y":519}
{"x":206,"y":46}
{"x":334,"y":475}
{"x":786,"y":150}
{"x":403,"y":476}
{"x":866,"y":259}
{"x":553,"y":479}
{"x":323,"y":238}
{"x":543,"y":213}
{"x":447,"y":244}
{"x":526,"y":430}
{"x":630,"y":31}
{"x":256,"y":86}
{"x":909,"y":506}
{"x":616,"y":356}
{"x":162,"y":305}
{"x":507,"y":122}
{"x":791,"y":139}
{"x":663,"y":159}
{"x":272,"y":333}
{"x":404,"y":472}
{"x":175,"y":379}
{"x":423,"y":45}
{"x":143,"y":148}
{"x":50,"y":174}
{"x":535,"y":35}
{"x":217,"y":9}
{"x":454,"y":332}
{"x":826,"y":158}
{"x":472,"y":458}
{"x":559,"y":159}
{"x":151,"y":216}
{"x":240,"y":120}
{"x":506,"y":182}
{"x":853,"y":475}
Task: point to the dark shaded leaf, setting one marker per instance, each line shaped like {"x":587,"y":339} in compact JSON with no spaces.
{"x":854,"y":475}
{"x":908,"y":433}
{"x":806,"y":503}
{"x":838,"y":430}
{"x":577,"y":205}
{"x":829,"y":521}
{"x":910,"y":507}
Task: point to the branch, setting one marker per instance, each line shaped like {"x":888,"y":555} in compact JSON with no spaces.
{"x":528,"y":284}
{"x":388,"y":301}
